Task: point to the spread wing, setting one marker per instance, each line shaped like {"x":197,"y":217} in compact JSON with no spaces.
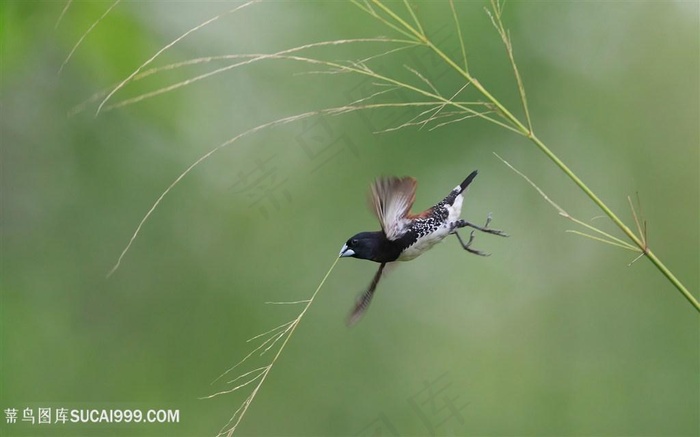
{"x":391,"y":200}
{"x":365,"y":298}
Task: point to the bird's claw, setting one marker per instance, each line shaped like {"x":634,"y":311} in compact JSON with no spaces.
{"x":488,"y":230}
{"x":468,"y":245}
{"x":485,"y":228}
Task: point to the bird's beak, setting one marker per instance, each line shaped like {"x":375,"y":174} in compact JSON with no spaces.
{"x":345,"y":251}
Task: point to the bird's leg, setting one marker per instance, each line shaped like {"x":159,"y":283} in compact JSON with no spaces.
{"x":468,"y":247}
{"x":462,"y":223}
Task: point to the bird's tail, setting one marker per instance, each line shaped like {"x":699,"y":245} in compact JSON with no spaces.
{"x":463,"y":186}
{"x":456,"y":191}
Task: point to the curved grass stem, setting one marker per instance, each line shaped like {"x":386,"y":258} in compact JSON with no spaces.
{"x":525,"y":129}
{"x":637,"y":240}
{"x":262,"y":372}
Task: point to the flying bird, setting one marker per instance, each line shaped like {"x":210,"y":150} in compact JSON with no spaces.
{"x":405,"y":236}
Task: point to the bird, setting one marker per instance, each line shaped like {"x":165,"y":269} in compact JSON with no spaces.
{"x":405,"y":236}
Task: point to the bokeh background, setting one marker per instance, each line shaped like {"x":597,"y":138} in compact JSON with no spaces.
{"x":554,"y":334}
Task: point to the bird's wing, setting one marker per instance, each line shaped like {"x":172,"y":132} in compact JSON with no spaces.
{"x":366,"y":297}
{"x":391,"y":200}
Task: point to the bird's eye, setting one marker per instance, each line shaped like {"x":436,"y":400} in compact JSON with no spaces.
{"x":353,"y":242}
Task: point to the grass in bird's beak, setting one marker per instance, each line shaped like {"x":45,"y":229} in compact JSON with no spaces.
{"x":268,"y":341}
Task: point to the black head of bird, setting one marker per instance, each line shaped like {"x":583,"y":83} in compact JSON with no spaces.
{"x":365,"y":245}
{"x":405,"y":236}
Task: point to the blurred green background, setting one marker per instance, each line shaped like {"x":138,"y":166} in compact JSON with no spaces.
{"x":552,"y":335}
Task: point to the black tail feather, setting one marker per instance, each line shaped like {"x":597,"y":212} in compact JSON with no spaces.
{"x":468,"y":180}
